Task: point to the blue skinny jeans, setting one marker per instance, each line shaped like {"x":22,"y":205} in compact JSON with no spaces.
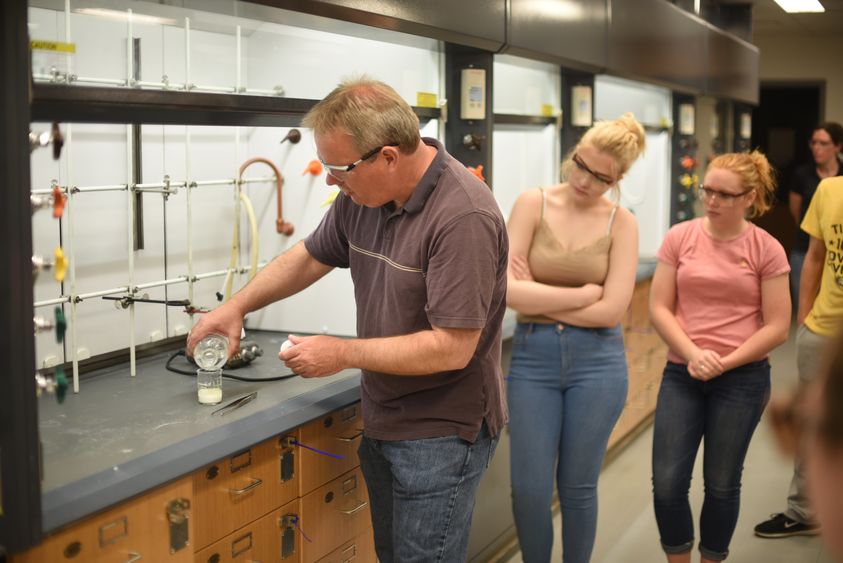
{"x":724,"y":412}
{"x":567,"y":387}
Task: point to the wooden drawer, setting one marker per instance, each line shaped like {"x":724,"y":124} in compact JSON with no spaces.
{"x":333,"y":514}
{"x":337,"y":433}
{"x":240,"y":489}
{"x":359,"y":550}
{"x":137,"y":530}
{"x":273,"y":537}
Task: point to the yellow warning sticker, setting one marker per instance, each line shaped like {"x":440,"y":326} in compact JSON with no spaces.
{"x":41,"y":45}
{"x":547,"y":110}
{"x":426,"y":100}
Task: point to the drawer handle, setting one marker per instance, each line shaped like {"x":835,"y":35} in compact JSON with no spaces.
{"x":133,"y":556}
{"x":363,"y":504}
{"x":350,"y":438}
{"x":349,"y":554}
{"x":253,"y":485}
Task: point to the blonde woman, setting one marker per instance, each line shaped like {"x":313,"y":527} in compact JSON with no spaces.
{"x":573,"y":257}
{"x":720,"y":300}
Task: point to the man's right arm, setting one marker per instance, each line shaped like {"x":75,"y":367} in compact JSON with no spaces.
{"x":286,"y":275}
{"x":809,"y":283}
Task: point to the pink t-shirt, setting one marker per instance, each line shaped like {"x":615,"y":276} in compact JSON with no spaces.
{"x":718,"y":283}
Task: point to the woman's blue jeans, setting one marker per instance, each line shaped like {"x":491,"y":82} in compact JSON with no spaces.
{"x":567,"y":387}
{"x":723,"y":411}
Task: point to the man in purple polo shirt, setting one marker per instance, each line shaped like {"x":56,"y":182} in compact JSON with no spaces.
{"x":427,"y":248}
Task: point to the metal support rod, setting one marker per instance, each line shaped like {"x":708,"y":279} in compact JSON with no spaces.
{"x":72,"y":298}
{"x":130,"y":299}
{"x":155,"y":187}
{"x":130,"y":207}
{"x":69,"y":214}
{"x":162,"y":283}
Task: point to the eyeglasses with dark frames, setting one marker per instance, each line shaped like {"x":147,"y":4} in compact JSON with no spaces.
{"x":819,"y":142}
{"x":726,"y":199}
{"x":334,"y":169}
{"x":583,"y":167}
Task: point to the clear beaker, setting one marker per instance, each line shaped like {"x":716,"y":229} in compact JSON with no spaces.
{"x":211,"y":352}
{"x":210,"y":355}
{"x":209,"y":386}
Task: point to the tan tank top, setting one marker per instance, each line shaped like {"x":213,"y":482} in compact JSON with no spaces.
{"x":551,"y":263}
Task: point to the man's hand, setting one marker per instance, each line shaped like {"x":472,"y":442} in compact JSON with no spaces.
{"x":225,"y":320}
{"x":314,"y":356}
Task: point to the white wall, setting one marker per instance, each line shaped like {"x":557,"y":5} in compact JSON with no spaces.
{"x":645,"y":190}
{"x":525,"y":156}
{"x":813,"y":57}
{"x":308,"y":63}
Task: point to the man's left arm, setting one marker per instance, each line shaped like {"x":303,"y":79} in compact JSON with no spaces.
{"x":465,"y":263}
{"x":420,"y":353}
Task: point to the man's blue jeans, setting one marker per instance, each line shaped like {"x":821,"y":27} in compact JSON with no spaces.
{"x":421,"y":493}
{"x":724,"y":411}
{"x":567,"y":387}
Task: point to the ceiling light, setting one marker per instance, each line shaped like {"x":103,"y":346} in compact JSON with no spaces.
{"x":798,"y":6}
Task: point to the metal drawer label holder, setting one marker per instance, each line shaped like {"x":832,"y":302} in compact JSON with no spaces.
{"x":178,"y":514}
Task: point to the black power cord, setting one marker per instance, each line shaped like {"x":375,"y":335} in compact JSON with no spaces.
{"x":178,"y":353}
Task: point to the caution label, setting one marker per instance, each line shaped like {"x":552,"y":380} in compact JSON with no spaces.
{"x":56,"y":46}
{"x":426,"y":100}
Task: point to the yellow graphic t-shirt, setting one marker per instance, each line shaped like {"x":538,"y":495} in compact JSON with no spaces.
{"x":824,"y":220}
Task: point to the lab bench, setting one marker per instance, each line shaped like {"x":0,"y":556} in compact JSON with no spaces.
{"x":128,"y":451}
{"x":135,"y":467}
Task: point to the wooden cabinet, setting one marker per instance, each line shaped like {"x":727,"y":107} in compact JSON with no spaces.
{"x":359,"y":550}
{"x":333,"y":513}
{"x":155,"y":527}
{"x":339,"y":434}
{"x":240,"y":489}
{"x":273,"y":537}
{"x":274,"y":501}
{"x":646,"y":355}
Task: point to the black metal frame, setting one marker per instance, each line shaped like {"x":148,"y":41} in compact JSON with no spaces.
{"x":571,"y":134}
{"x":513,"y":119}
{"x":479,"y":151}
{"x":20,"y":521}
{"x":681,"y":198}
{"x":81,"y":104}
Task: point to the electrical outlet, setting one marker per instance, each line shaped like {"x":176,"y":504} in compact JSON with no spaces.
{"x":49,"y":362}
{"x":155,"y":335}
{"x":82,"y":353}
{"x":179,"y":330}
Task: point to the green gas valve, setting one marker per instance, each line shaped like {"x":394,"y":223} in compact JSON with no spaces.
{"x":61,"y":325}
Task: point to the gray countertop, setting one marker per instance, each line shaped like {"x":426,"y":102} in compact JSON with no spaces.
{"x":121,"y":435}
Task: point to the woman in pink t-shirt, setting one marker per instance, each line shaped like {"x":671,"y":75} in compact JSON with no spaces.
{"x":720,"y":300}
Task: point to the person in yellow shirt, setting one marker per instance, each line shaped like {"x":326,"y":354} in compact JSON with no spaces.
{"x":819,"y":317}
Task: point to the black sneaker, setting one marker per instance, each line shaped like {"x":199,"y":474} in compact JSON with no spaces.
{"x":780,"y":526}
